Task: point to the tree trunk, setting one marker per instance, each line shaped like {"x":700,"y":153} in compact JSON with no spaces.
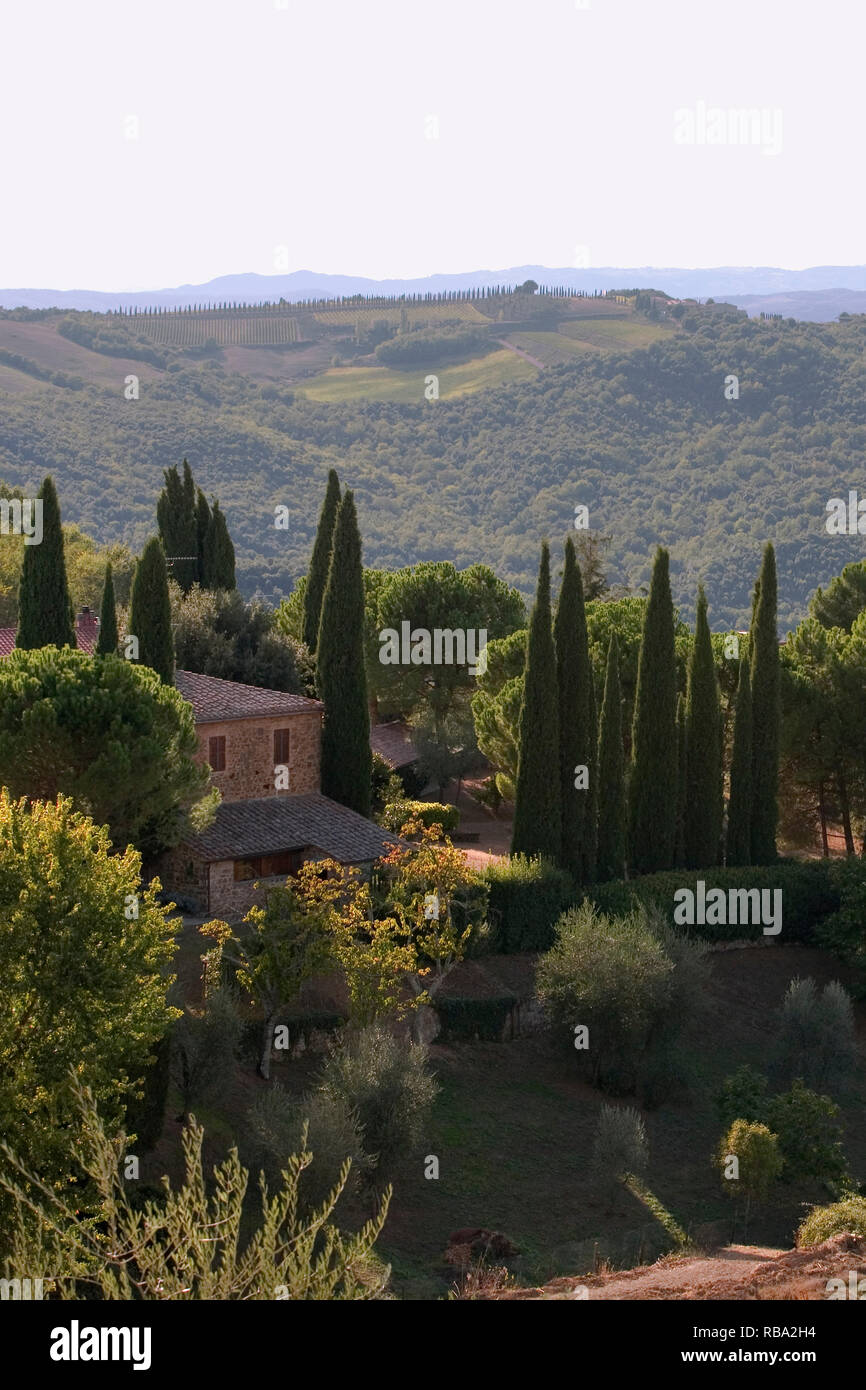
{"x":822,"y":816}
{"x":846,"y":811}
{"x":267,"y":1040}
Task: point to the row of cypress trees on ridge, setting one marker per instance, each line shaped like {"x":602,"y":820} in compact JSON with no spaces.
{"x":577,"y":803}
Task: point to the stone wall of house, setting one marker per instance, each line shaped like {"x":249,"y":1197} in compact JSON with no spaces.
{"x":230,"y":898}
{"x":249,"y":769}
{"x":184,"y":874}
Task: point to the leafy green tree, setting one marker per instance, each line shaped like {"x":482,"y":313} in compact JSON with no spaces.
{"x":578,"y":736}
{"x":320,"y":562}
{"x":435,"y":595}
{"x":653,"y":782}
{"x":45,"y":616}
{"x":219,"y":634}
{"x":176,"y":519}
{"x":810,"y":1136}
{"x":703,"y":819}
{"x":843,"y":600}
{"x":766,"y":715}
{"x":738,"y":849}
{"x":107,"y":642}
{"x":107,"y":734}
{"x":496,"y":707}
{"x":150,"y":612}
{"x":84,"y":950}
{"x":758,"y":1163}
{"x":165,"y":1248}
{"x":612,"y":821}
{"x":341,"y":674}
{"x":538,"y":804}
{"x":219,"y":553}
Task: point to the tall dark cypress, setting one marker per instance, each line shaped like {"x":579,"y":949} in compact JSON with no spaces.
{"x":590,"y":828}
{"x":682,"y":776}
{"x":219,"y":553}
{"x":538,"y":799}
{"x":611,"y":851}
{"x":341,"y":670}
{"x":45,"y":616}
{"x":577,"y":732}
{"x":106,"y":644}
{"x":766,"y":717}
{"x":202,"y":522}
{"x":150,"y":612}
{"x":703,"y":821}
{"x":739,"y":839}
{"x":653,"y":781}
{"x":175,"y":515}
{"x":317,"y":575}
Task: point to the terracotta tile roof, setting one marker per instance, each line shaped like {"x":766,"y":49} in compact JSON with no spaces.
{"x":86,"y":633}
{"x":214,"y":700}
{"x":393,"y":742}
{"x":269,"y":824}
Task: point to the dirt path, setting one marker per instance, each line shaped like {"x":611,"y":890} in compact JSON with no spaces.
{"x":520,"y":353}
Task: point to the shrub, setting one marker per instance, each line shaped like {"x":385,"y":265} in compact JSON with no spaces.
{"x":397,"y":813}
{"x":468,"y":1019}
{"x":205,"y":1046}
{"x":387,"y":1085}
{"x":146,"y":1113}
{"x":620,"y":1145}
{"x":611,"y":974}
{"x":848,"y":1215}
{"x":808,"y":897}
{"x":843,"y":931}
{"x":809,"y":1135}
{"x":276,"y":1126}
{"x":815,"y":1036}
{"x":527,"y":897}
{"x":743,"y":1096}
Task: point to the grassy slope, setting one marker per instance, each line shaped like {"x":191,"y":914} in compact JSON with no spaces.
{"x":513,"y":1130}
{"x":407,"y":387}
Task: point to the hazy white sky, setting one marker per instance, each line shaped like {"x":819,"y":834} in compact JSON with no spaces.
{"x":305,"y":125}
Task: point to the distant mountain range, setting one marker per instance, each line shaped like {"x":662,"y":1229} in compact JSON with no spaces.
{"x":819,"y":293}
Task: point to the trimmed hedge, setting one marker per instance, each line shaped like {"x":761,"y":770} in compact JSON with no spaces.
{"x":809,"y":894}
{"x":428,"y":812}
{"x":464,"y":1020}
{"x":527,"y":898}
{"x":299,"y":1026}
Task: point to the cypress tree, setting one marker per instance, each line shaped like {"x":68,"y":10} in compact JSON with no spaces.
{"x":537,"y":808}
{"x":611,"y":775}
{"x":45,"y":616}
{"x":766,"y":716}
{"x":577,"y":732}
{"x":202,"y":522}
{"x":682,"y":771}
{"x":175,"y":515}
{"x":341,"y":671}
{"x":320,"y":561}
{"x":703,"y":822}
{"x":150,"y":612}
{"x":590,"y":827}
{"x":653,"y":782}
{"x":738,"y":845}
{"x":219,"y":553}
{"x":107,"y":642}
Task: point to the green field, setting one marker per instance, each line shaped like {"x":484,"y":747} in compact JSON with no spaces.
{"x":238,"y":329}
{"x":622,"y":334}
{"x":347,"y":315}
{"x":407,"y":387}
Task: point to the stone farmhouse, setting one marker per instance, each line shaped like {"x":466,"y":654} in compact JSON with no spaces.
{"x":263,"y":749}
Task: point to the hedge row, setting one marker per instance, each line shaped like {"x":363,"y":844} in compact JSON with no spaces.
{"x":526,"y":899}
{"x":809,"y":894}
{"x":397,"y":813}
{"x":463,"y":1020}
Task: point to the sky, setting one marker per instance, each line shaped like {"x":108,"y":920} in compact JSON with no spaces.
{"x":170,"y":142}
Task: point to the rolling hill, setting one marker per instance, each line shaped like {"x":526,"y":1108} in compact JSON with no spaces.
{"x":642,"y":434}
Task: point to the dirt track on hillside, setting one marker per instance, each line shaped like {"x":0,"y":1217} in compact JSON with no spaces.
{"x":737,"y":1272}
